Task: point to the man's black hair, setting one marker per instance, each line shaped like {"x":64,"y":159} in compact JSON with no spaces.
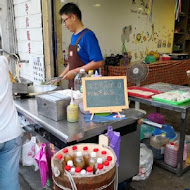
{"x":71,"y":8}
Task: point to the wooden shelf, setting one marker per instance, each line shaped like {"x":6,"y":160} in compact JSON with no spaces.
{"x":180,"y":33}
{"x":182,"y":14}
{"x":183,"y":24}
{"x":178,"y":50}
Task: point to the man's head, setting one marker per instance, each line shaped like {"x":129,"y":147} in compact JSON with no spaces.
{"x":69,"y":9}
{"x":71,"y":16}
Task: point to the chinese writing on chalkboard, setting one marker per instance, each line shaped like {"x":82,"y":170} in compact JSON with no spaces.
{"x":104,"y":93}
{"x":103,"y":88}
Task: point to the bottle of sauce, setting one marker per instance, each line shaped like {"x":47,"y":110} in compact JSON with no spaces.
{"x":96,"y":150}
{"x":68,"y":168}
{"x":99,"y":161}
{"x":59,"y":162}
{"x":92,"y":160}
{"x":109,"y":158}
{"x":79,"y":161}
{"x":67,"y":156}
{"x":75,"y":149}
{"x":89,"y":171}
{"x":100,"y":169}
{"x":77,"y":171}
{"x":86,"y":155}
{"x":104,"y":155}
{"x":106,"y":165}
{"x":72,"y":111}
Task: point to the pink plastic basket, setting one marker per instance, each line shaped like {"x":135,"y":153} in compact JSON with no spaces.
{"x":156,"y":117}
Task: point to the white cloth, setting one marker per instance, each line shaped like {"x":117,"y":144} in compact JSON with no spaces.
{"x":9,"y":122}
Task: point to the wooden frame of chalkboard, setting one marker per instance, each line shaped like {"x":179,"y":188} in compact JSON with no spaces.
{"x":105,"y":94}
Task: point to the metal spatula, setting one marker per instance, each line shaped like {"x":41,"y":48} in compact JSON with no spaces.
{"x":53,"y":80}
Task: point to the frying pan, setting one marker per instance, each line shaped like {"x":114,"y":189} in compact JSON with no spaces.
{"x":40,"y":89}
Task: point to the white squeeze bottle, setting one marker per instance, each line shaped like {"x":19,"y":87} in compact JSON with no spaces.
{"x":72,"y":110}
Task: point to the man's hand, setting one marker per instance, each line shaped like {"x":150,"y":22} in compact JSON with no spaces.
{"x":70,"y":75}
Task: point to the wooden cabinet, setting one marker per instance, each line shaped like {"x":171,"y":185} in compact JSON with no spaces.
{"x":182,"y":30}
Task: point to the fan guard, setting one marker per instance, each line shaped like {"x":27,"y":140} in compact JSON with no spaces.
{"x":137,"y":72}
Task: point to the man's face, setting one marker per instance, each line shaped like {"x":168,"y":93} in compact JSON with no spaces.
{"x":68,"y":21}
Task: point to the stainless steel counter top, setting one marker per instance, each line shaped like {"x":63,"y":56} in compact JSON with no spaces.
{"x":68,"y":132}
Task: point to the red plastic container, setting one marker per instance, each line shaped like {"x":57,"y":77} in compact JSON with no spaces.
{"x":165,"y":58}
{"x":154,"y":92}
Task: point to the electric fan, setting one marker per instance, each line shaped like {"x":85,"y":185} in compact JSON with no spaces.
{"x":136,"y":73}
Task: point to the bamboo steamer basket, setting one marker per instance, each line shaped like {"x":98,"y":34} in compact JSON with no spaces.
{"x":105,"y":181}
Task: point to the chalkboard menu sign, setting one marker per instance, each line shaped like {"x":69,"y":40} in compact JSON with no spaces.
{"x":105,"y":94}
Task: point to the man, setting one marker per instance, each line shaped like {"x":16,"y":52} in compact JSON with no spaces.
{"x":10,"y":132}
{"x":84,"y":50}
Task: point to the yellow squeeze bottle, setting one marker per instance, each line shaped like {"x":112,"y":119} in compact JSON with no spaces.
{"x":72,"y":110}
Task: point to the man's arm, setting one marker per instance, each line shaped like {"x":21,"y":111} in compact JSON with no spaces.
{"x":90,"y":66}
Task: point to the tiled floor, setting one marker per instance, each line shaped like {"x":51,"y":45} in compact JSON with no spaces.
{"x":159,"y":178}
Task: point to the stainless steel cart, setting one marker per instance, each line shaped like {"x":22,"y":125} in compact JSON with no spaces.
{"x":62,"y":133}
{"x":164,"y":87}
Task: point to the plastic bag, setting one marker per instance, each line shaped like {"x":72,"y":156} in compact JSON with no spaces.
{"x":146,"y":161}
{"x":41,"y":160}
{"x":29,"y":150}
{"x":50,"y":151}
{"x":115,"y":140}
{"x":168,"y":130}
